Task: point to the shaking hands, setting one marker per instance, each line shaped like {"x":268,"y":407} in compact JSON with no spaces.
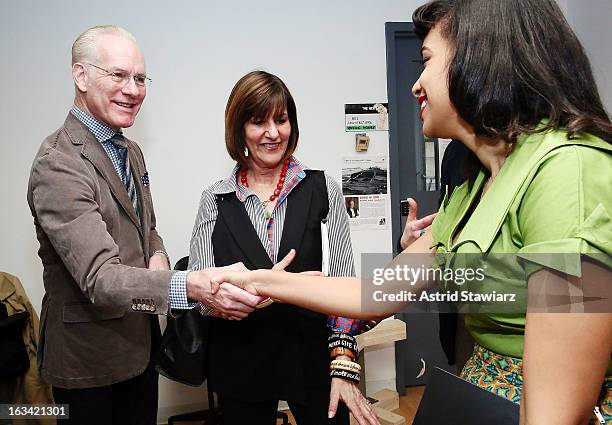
{"x":230,"y":297}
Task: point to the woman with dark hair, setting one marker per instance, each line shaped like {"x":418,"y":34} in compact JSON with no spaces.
{"x":512,"y":82}
{"x":271,"y":206}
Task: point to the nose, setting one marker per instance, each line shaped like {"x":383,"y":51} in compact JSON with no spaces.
{"x":272,"y":130}
{"x":416,"y":88}
{"x":130,"y":87}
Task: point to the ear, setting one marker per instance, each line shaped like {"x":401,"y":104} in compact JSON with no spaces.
{"x":79,"y":75}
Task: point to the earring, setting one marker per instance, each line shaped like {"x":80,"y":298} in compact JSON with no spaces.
{"x":246,"y":152}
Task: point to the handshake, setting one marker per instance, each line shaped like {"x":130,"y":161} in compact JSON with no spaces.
{"x":227,"y":300}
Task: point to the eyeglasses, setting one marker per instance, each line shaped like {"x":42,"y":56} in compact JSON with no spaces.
{"x":122,"y":77}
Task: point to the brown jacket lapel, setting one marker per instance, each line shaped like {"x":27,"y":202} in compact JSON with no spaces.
{"x":95,"y":153}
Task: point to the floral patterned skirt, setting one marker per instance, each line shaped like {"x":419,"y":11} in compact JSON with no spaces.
{"x":503,"y":375}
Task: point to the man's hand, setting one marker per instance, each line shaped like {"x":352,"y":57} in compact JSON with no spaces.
{"x":158,"y":261}
{"x":415,"y":228}
{"x":348,"y":392}
{"x":229,"y":302}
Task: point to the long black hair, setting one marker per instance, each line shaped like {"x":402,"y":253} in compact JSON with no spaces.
{"x":513,"y":64}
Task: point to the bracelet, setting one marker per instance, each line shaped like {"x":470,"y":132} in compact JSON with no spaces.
{"x":345,"y":374}
{"x":345,"y":365}
{"x":265,"y":303}
{"x":205,"y":310}
{"x":342,"y":351}
{"x":165,"y":254}
{"x":340,"y":335}
{"x":343,"y":343}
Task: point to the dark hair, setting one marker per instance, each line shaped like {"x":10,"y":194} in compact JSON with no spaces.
{"x":258,"y":94}
{"x":513,"y":64}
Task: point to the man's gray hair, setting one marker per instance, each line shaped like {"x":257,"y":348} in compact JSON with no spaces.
{"x":84,"y":47}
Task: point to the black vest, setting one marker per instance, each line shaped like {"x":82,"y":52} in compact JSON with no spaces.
{"x":279,"y":351}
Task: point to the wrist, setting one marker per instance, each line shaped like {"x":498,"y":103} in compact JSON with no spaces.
{"x":163,"y":254}
{"x":260,"y":281}
{"x":193,"y":289}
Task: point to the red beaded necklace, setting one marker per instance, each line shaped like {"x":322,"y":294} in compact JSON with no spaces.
{"x":279,"y":186}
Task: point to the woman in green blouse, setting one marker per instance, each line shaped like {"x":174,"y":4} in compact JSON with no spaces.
{"x":512,"y":82}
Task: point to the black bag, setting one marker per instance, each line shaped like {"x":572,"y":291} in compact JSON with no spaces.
{"x":14,"y":360}
{"x":449,"y":399}
{"x":183,"y":353}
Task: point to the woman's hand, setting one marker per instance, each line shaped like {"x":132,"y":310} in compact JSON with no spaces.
{"x":415,"y":228}
{"x":348,"y":392}
{"x":244,"y":279}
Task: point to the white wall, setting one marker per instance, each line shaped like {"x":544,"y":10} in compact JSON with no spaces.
{"x":592,"y":22}
{"x":327,"y":52}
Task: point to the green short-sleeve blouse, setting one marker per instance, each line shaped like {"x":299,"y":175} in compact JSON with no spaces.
{"x":552,"y":196}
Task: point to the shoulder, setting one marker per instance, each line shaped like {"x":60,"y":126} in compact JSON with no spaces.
{"x":56,"y":154}
{"x":331,"y":184}
{"x":552,"y":161}
{"x":583,"y":165}
{"x":208,"y":199}
{"x":220,"y":186}
{"x":570,"y":187}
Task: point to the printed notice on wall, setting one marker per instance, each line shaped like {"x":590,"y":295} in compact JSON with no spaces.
{"x":364,"y":186}
{"x":362,"y":117}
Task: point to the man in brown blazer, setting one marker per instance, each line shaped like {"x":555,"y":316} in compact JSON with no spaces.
{"x":106,"y":273}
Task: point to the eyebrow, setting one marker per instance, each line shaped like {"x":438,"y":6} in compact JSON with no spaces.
{"x":425,"y":48}
{"x":113,"y":69}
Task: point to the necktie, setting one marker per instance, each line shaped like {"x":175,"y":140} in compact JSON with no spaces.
{"x":119,"y":142}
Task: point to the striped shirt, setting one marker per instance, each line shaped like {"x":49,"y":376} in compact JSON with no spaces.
{"x":270,"y":229}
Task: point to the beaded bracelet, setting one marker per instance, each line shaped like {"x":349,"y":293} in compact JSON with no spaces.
{"x":345,"y":374}
{"x":345,"y":365}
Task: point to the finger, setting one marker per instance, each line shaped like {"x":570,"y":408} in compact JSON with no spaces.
{"x":230,"y":312}
{"x":284,"y":263}
{"x":368,"y":414}
{"x":227,"y":276}
{"x":240,"y":295}
{"x":356,"y":411}
{"x":312,"y":273}
{"x":413,"y":209}
{"x":363,"y":404}
{"x":233,"y":307}
{"x":230,"y":307}
{"x":427,"y":220}
{"x":333,"y":404}
{"x":214,"y":287}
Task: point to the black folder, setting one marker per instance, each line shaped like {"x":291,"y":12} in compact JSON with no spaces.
{"x":450,"y":400}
